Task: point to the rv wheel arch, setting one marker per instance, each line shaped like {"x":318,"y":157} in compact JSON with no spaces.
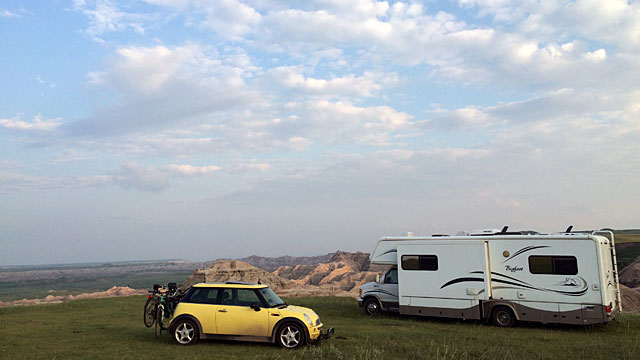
{"x":488,"y":306}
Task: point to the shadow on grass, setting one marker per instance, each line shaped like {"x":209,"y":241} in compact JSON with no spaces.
{"x":484,"y":323}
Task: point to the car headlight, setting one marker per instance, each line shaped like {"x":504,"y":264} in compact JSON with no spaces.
{"x":308,"y":319}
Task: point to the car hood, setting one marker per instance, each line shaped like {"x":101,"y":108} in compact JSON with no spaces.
{"x":293,"y":310}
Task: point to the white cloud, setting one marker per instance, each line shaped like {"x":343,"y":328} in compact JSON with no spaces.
{"x":105,"y":16}
{"x":468,"y":118}
{"x":39,"y":124}
{"x":146,"y":70}
{"x":162,"y":88}
{"x":8,"y":14}
{"x":231,"y":19}
{"x":596,"y":56}
{"x":293,"y":78}
{"x":342,"y":122}
{"x":188,"y":170}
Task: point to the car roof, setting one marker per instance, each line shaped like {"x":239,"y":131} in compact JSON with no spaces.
{"x":232,"y":284}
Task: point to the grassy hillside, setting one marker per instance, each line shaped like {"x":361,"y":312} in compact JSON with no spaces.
{"x":622,"y":238}
{"x":113,"y":329}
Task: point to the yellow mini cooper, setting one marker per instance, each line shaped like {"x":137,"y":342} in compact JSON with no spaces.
{"x":243,"y":311}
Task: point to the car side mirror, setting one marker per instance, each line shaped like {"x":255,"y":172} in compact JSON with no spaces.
{"x":255,"y":307}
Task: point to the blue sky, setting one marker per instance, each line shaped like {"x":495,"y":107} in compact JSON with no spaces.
{"x":206,"y":129}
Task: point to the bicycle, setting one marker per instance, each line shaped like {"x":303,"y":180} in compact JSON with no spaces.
{"x":151,"y":306}
{"x":160,"y":306}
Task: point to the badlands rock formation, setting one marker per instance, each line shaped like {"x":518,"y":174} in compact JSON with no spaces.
{"x":340,"y":274}
{"x":630,"y":275}
{"x":226,"y":270}
{"x":630,"y":299}
{"x":343,"y":272}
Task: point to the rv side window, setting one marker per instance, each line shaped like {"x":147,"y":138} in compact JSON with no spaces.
{"x":554,"y":265}
{"x":420,"y":262}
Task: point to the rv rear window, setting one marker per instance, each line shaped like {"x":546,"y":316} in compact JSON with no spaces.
{"x":420,"y":262}
{"x":554,"y":265}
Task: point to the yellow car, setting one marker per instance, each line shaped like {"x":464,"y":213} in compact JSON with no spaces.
{"x":243,"y":311}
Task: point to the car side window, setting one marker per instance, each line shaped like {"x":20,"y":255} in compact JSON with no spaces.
{"x":246,"y":297}
{"x":391,"y":277}
{"x":204,"y":296}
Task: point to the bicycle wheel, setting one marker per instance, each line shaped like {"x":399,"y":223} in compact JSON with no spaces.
{"x":159,"y":315}
{"x":166,"y":322}
{"x":149,"y":313}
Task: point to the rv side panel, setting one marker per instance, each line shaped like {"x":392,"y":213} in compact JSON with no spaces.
{"x":442,"y":278}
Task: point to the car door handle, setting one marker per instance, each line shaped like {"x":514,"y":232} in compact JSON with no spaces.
{"x":222,"y":310}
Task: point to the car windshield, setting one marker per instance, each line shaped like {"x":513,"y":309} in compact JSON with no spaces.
{"x":270,"y":296}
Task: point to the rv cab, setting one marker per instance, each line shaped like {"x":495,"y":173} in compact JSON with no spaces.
{"x":381,"y":295}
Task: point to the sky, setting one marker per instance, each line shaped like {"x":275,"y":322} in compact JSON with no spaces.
{"x":135,"y":130}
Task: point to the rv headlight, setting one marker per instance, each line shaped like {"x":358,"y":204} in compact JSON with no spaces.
{"x":308,"y":319}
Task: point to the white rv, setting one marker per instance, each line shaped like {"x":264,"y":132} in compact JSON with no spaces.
{"x":498,"y":276}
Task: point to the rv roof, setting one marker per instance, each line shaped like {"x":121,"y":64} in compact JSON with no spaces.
{"x":561,"y":236}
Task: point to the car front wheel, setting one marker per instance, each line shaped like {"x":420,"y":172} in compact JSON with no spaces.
{"x":290,"y":336}
{"x":185,"y":332}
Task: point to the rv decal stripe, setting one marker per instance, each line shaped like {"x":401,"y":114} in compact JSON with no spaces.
{"x":379,"y":291}
{"x":463,"y":279}
{"x":512,"y":278}
{"x":388,"y":251}
{"x":568,"y":293}
{"x":498,"y":274}
{"x":524,"y":250}
{"x":514,"y":284}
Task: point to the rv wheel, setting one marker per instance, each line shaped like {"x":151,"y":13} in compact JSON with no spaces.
{"x":502,"y":316}
{"x":371,"y":306}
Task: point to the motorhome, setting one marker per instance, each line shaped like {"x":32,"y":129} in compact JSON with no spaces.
{"x":498,"y":276}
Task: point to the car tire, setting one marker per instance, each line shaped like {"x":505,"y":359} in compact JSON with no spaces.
{"x":290,"y":336}
{"x":371,"y":306}
{"x":149,"y":315}
{"x":502,"y":316}
{"x":185,"y":332}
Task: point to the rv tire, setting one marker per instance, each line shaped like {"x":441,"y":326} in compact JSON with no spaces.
{"x":502,"y":316}
{"x":371,"y":306}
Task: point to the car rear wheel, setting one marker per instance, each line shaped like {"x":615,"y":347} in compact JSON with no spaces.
{"x":290,"y":336}
{"x":185,"y":332}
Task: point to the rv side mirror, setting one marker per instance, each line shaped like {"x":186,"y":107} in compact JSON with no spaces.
{"x":378,"y":278}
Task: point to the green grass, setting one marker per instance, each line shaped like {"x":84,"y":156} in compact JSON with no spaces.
{"x":112,"y":328}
